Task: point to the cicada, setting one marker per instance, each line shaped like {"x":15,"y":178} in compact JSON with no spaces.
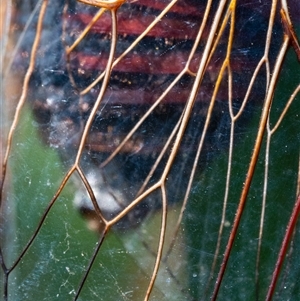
{"x":172,"y":127}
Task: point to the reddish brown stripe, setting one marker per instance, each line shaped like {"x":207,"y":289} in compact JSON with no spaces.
{"x":182,"y":7}
{"x":177,"y":95}
{"x":137,"y":24}
{"x":173,"y":63}
{"x":170,"y":63}
{"x":140,"y":96}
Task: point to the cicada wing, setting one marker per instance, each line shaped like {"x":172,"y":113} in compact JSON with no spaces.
{"x":146,"y":118}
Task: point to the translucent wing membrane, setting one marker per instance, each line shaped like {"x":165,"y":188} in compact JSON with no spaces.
{"x":172,"y":127}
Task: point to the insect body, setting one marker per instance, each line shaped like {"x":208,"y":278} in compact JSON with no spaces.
{"x":115,"y":155}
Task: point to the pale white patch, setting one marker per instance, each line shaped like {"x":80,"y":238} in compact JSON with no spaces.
{"x":108,"y":200}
